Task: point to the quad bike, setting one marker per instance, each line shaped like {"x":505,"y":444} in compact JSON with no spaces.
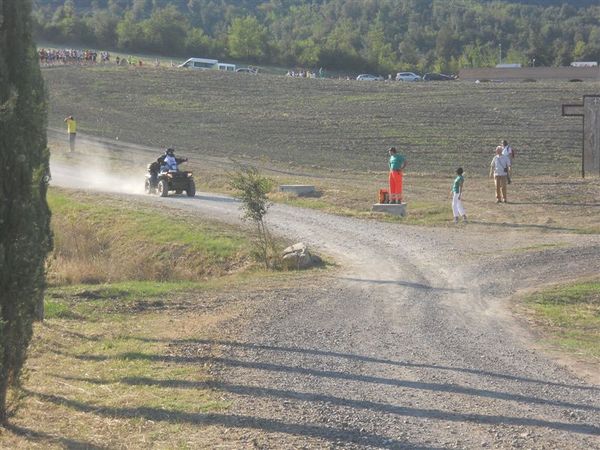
{"x":173,"y":180}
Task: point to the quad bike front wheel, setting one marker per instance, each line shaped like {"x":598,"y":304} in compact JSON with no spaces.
{"x":163,"y":188}
{"x":191,"y":189}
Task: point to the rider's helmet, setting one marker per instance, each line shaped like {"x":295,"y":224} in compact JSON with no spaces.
{"x":169,"y":151}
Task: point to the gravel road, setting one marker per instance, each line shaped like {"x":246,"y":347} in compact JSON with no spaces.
{"x":410,"y":343}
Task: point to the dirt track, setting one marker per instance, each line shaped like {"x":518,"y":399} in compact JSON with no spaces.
{"x":410,"y":343}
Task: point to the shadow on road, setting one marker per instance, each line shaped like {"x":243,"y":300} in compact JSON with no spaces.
{"x":272,"y":367}
{"x":366,"y":359}
{"x":231,"y":421}
{"x":208,"y":198}
{"x":409,"y":284}
{"x":286,"y":394}
{"x":524,"y":226}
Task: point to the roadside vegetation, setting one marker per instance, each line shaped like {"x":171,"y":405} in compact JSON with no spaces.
{"x":569,"y":316}
{"x":252,"y":189}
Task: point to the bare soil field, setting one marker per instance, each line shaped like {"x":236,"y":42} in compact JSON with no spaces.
{"x":327,"y":124}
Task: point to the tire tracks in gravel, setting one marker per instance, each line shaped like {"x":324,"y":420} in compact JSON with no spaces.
{"x":409,"y":344}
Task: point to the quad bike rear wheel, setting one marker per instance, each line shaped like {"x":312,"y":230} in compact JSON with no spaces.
{"x":148,"y":188}
{"x":163,"y":188}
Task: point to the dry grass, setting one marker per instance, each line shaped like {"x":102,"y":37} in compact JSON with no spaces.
{"x":545,"y":204}
{"x":100,"y":239}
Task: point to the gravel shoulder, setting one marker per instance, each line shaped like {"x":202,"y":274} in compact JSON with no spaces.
{"x":410,"y":343}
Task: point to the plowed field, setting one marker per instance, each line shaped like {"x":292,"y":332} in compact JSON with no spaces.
{"x":331,"y":124}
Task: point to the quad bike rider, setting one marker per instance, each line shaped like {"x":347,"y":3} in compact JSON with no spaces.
{"x":164,"y":176}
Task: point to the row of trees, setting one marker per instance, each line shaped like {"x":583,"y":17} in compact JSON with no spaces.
{"x":24,"y":214}
{"x":381,"y":35}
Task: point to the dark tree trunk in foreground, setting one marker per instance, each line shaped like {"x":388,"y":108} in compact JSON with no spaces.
{"x":24,"y":215}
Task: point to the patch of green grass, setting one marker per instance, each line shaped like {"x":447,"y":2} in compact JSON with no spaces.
{"x":571,"y":315}
{"x":94,"y":302}
{"x":58,"y":310}
{"x":141,"y":224}
{"x":305,"y":202}
{"x":125,"y":290}
{"x":589,"y":230}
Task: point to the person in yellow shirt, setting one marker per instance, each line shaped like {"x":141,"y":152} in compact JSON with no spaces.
{"x":72,"y":130}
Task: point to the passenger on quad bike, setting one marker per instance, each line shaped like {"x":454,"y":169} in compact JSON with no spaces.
{"x":170,"y":162}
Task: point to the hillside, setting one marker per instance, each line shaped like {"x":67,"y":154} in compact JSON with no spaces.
{"x":382,"y":35}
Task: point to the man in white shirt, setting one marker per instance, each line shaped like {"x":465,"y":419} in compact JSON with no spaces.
{"x":500,"y":171}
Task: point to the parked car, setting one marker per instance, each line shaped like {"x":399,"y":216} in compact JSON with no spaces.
{"x":369,"y":77}
{"x":438,"y":77}
{"x":407,"y":76}
{"x":250,"y":70}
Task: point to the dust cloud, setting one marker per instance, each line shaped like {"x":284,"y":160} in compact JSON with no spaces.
{"x":97,"y":168}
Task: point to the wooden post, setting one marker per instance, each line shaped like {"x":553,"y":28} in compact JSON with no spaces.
{"x":590,"y":111}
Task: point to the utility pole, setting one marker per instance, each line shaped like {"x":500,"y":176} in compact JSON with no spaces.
{"x":500,"y":53}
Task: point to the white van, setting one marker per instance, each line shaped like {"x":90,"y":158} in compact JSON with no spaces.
{"x":200,"y":63}
{"x":226,"y":67}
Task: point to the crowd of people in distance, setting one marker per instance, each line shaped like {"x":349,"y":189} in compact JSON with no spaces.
{"x":301,"y":73}
{"x":52,"y":57}
{"x":72,"y":56}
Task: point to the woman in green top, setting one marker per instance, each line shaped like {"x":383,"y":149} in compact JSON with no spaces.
{"x":457,"y":190}
{"x":397,"y":164}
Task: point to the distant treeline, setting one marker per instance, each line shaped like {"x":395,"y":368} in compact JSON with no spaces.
{"x":356,"y":35}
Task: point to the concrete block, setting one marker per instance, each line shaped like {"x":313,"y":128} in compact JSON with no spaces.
{"x":390,"y":208}
{"x":298,"y":189}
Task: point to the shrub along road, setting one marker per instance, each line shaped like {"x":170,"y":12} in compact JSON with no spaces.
{"x":410,"y":343}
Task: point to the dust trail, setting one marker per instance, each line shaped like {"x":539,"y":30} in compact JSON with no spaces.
{"x":95,"y":167}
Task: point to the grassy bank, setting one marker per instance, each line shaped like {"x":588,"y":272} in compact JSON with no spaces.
{"x":569,"y":316}
{"x":101,"y":239}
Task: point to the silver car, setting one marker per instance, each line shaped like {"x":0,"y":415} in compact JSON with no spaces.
{"x":369,"y":77}
{"x":407,"y":76}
